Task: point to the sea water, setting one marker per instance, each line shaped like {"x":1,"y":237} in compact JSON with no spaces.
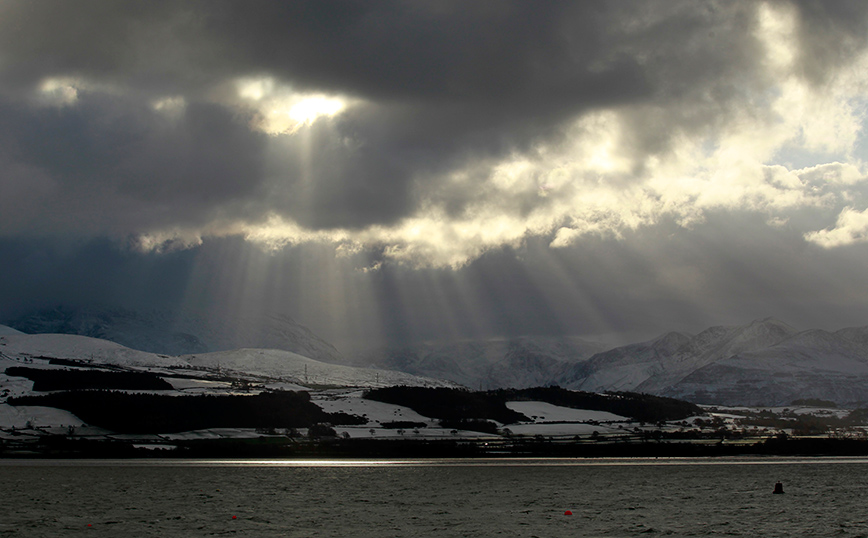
{"x":671,"y":497}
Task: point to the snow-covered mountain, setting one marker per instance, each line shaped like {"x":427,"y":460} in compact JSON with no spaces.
{"x":766,"y":362}
{"x":812,"y":364}
{"x":855,"y":334}
{"x":518,"y":362}
{"x":715,"y":343}
{"x":626,"y":367}
{"x":179,"y":333}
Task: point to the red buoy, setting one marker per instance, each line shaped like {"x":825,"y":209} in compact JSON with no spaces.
{"x":568,"y":513}
{"x":234,"y":517}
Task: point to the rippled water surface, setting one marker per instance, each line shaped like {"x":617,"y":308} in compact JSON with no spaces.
{"x":440,"y":498}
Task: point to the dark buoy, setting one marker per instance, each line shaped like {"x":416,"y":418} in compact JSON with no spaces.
{"x":779,"y":488}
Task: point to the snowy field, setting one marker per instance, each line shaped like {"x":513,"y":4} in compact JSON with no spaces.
{"x":559,"y":430}
{"x":546,"y":412}
{"x":197,"y":385}
{"x":36,"y":416}
{"x":409,"y":433}
{"x":284,"y":365}
{"x":376,"y":412}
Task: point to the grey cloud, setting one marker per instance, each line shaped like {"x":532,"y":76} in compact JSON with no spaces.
{"x":371,"y":164}
{"x":49,"y":272}
{"x":444,"y":50}
{"x":321,"y":182}
{"x":433,"y":51}
{"x":829,"y":34}
{"x":117,"y":165}
{"x":147,"y":47}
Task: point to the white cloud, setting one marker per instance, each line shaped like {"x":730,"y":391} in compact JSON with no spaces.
{"x":61,"y":91}
{"x":166,"y":241}
{"x":852,"y":227}
{"x":171,"y":107}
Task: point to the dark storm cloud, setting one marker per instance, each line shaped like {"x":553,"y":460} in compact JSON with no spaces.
{"x":136,"y":43}
{"x":47,"y":273}
{"x":484,"y":51}
{"x":112,"y":165}
{"x":830,"y":33}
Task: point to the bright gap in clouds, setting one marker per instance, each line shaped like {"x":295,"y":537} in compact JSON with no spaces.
{"x":308,"y":109}
{"x":281,"y":110}
{"x":59,"y":91}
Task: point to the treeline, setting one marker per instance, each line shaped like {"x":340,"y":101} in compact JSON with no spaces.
{"x":64,"y":379}
{"x":413,"y":447}
{"x":639,"y":407}
{"x":458,"y":404}
{"x":804,"y":423}
{"x":447,"y":404}
{"x":152,"y":413}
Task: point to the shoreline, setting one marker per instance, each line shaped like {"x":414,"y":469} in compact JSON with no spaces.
{"x":432,"y":449}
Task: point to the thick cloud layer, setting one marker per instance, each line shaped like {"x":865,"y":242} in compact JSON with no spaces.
{"x":437,"y":136}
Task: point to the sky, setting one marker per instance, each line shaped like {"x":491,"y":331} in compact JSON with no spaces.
{"x":414,"y":170}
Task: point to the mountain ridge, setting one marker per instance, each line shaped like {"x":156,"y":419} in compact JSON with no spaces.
{"x":763,"y":362}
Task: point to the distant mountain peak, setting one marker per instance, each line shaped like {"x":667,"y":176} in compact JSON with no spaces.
{"x":671,"y":340}
{"x":772,"y":322}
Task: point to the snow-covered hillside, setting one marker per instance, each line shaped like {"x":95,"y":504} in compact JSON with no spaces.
{"x":81,"y":348}
{"x":179,"y":333}
{"x":35,"y":350}
{"x":288,"y":366}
